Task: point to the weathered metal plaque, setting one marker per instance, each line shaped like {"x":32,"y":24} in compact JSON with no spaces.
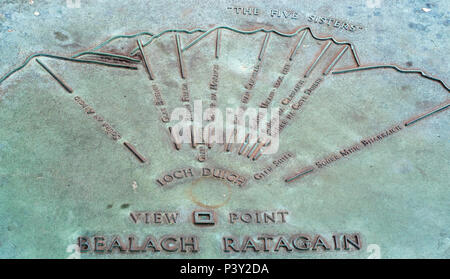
{"x":224,"y":129}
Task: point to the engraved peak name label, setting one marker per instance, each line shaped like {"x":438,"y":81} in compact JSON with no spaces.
{"x":276,"y":85}
{"x":275,"y":164}
{"x":293,"y":92}
{"x":296,"y":243}
{"x":169,"y":243}
{"x":213,"y":86}
{"x":253,"y":77}
{"x":251,"y":83}
{"x":357,"y":147}
{"x":159,"y":102}
{"x":380,"y":136}
{"x":215,"y":78}
{"x":109,"y":130}
{"x":185,"y":96}
{"x":148,"y":217}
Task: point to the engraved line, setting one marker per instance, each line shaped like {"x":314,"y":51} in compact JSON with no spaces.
{"x":250,"y":152}
{"x":259,"y":151}
{"x":228,"y":145}
{"x":194,"y":39}
{"x":134,"y":151}
{"x":109,"y":55}
{"x":144,"y":58}
{"x":299,"y":43}
{"x":322,"y":52}
{"x":333,"y":63}
{"x":57,"y":78}
{"x":208,"y":142}
{"x":175,"y":143}
{"x":437,"y":109}
{"x":180,"y":59}
{"x":193,"y":137}
{"x":199,"y":134}
{"x":197,"y":39}
{"x":257,"y":156}
{"x":244,"y":145}
{"x":260,"y":145}
{"x":395,"y":67}
{"x":301,"y":173}
{"x":218,"y":37}
{"x":264,"y":47}
{"x":206,"y":33}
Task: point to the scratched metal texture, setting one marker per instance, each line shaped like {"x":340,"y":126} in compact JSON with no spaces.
{"x":62,"y":177}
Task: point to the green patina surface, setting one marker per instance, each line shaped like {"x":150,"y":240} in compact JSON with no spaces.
{"x":62,"y":176}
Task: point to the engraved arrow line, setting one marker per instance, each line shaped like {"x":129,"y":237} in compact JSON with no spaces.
{"x":299,"y":43}
{"x":56,"y":77}
{"x":133,"y":150}
{"x":180,"y":56}
{"x":144,"y":60}
{"x":264,"y":47}
{"x":301,"y":173}
{"x":313,"y":65}
{"x":422,"y":116}
{"x":217,"y":51}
